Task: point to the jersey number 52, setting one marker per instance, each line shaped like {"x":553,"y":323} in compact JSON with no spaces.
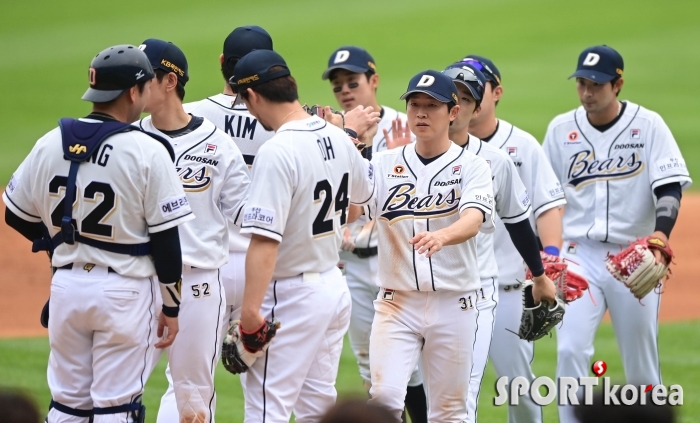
{"x":323,"y":223}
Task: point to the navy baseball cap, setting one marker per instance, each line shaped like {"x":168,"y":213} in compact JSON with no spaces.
{"x":436,"y":84}
{"x":486,"y":66}
{"x":166,"y":56}
{"x":350,"y":58}
{"x":243,"y":40}
{"x":599,"y":64}
{"x":468,"y":75}
{"x":254,"y":69}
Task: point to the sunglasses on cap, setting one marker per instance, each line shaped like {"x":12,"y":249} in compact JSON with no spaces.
{"x":463,"y":74}
{"x":484,"y":69}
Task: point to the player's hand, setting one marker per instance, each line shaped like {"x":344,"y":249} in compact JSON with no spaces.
{"x":172,"y":325}
{"x":430,"y":242}
{"x":348,"y":244}
{"x":368,"y":136}
{"x":360,"y":119}
{"x":658,"y":255}
{"x":400,"y":134}
{"x":543,"y":289}
{"x":332,"y":118}
{"x":251,"y":320}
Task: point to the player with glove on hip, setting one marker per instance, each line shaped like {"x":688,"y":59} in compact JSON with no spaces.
{"x":623,"y":175}
{"x":304,"y":180}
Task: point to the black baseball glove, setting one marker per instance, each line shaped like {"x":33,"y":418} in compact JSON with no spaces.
{"x":538,"y":319}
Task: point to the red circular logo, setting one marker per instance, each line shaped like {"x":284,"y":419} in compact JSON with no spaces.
{"x":599,"y":368}
{"x":573,"y":136}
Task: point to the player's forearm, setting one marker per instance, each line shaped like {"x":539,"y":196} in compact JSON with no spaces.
{"x":354,"y":213}
{"x":549,"y":227}
{"x":464,"y":229}
{"x":29,"y":230}
{"x":259,"y":267}
{"x":525,"y":241}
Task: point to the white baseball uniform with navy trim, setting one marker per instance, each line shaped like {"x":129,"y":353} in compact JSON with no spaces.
{"x":215,"y":177}
{"x":609,"y":178}
{"x":420,"y":297}
{"x":512,"y":356}
{"x":304,"y":180}
{"x":103,"y":309}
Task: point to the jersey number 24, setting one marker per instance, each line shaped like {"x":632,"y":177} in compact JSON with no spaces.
{"x":323,"y":223}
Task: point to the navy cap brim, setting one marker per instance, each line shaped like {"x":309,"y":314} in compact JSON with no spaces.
{"x":471,"y":89}
{"x":101,"y":96}
{"x":592,"y":75}
{"x":434,"y":95}
{"x":351,"y":68}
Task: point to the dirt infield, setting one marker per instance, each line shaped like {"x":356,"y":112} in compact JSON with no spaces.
{"x":25,"y":277}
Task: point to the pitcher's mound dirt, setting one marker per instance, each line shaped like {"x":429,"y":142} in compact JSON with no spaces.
{"x":25,"y":277}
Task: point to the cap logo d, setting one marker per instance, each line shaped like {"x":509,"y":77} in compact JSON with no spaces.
{"x":591,"y":59}
{"x":341,"y":56}
{"x":426,"y":81}
{"x":92,"y":76}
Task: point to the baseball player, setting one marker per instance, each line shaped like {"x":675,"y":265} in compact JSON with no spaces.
{"x":304,"y":180}
{"x":511,"y":355}
{"x":127,"y":204}
{"x":623,"y":175}
{"x":232,"y":117}
{"x":513,"y":207}
{"x":215,"y":178}
{"x":354,"y":79}
{"x":432,"y":198}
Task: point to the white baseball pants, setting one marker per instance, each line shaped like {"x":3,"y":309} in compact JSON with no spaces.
{"x":438,"y":327}
{"x":298,"y":371}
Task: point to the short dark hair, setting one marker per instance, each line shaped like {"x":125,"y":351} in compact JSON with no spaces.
{"x":368,"y":74}
{"x":279,"y":90}
{"x":179,"y":88}
{"x":493,"y":88}
{"x":227,"y":68}
{"x":352,"y":411}
{"x":18,"y":407}
{"x":613,"y":82}
{"x":636,"y":413}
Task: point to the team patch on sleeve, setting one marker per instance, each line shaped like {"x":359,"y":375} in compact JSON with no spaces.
{"x":173,"y":205}
{"x":671,"y":164}
{"x":486,"y":199}
{"x":525,"y":199}
{"x":12,"y":185}
{"x":258,"y":215}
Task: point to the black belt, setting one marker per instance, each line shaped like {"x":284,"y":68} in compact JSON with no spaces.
{"x":69,"y":266}
{"x":365,"y":252}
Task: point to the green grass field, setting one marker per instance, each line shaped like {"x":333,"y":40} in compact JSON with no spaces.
{"x":47,"y":46}
{"x":23,"y":364}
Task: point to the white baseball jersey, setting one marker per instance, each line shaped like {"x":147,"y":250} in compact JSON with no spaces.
{"x":412,"y":197}
{"x":127,"y":190}
{"x":609,"y":177}
{"x":512,"y":202}
{"x":245,"y":131}
{"x":215,"y":178}
{"x":543,"y":188}
{"x":363,"y":232}
{"x":304,"y":180}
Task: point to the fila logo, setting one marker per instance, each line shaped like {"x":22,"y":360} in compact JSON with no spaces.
{"x":388,"y":295}
{"x":513,"y":151}
{"x":591,"y":59}
{"x":456,"y":170}
{"x":210,"y":149}
{"x":341,"y":56}
{"x":426,"y":81}
{"x":635,"y":134}
{"x":139,"y":75}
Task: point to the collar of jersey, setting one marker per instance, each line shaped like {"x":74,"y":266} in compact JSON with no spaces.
{"x":306,"y":124}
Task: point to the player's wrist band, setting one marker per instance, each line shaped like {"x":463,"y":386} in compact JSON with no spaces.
{"x":351,"y":133}
{"x":171,"y":311}
{"x":552,"y":250}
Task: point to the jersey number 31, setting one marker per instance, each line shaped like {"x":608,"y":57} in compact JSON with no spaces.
{"x":323,"y":224}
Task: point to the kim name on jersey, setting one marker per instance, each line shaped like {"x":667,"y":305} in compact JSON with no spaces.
{"x":584,"y":168}
{"x":402,"y":202}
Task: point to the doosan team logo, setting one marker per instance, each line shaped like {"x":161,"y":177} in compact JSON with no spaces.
{"x":567,"y":388}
